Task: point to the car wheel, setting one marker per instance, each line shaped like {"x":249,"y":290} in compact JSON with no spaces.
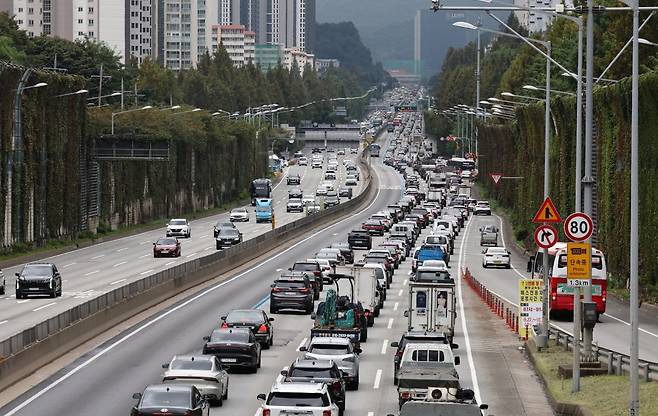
{"x":273,"y":309}
{"x":309,"y":309}
{"x":218,"y":246}
{"x":316,"y":296}
{"x":2,"y":290}
{"x":258,"y":363}
{"x":509,"y":266}
{"x":59,"y":292}
{"x":395,"y":380}
{"x":225,"y":396}
{"x":53,"y":293}
{"x":19,"y":296}
{"x":272,"y":340}
{"x":155,"y":255}
{"x":219,"y":402}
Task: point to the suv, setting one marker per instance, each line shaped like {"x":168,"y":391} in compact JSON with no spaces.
{"x":3,"y":284}
{"x":319,"y":371}
{"x":482,"y":208}
{"x":179,"y":227}
{"x":292,"y":291}
{"x":38,"y":279}
{"x":294,"y":179}
{"x":339,"y":350}
{"x":314,"y":271}
{"x":312,"y":399}
{"x":359,"y":238}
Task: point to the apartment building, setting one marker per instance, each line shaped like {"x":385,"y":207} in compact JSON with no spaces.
{"x":292,"y":56}
{"x":239,"y":43}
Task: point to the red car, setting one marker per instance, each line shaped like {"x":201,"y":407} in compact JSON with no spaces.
{"x":374,"y":227}
{"x":166,"y":247}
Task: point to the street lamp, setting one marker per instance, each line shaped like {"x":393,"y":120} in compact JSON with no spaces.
{"x":172,"y":108}
{"x":527,"y":97}
{"x":147,"y":107}
{"x":186,"y":112}
{"x":78,"y":92}
{"x":533,"y":88}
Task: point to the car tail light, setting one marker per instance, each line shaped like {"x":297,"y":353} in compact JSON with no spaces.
{"x":553,"y":295}
{"x":367,"y":312}
{"x":224,"y":325}
{"x":262,"y":328}
{"x":266,"y":412}
{"x":304,"y":290}
{"x":277,"y":289}
{"x":405,"y":395}
{"x":318,"y":273}
{"x":324,"y":413}
{"x":336,"y":386}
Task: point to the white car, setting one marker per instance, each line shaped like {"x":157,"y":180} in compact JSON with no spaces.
{"x":203,"y":371}
{"x":303,"y":161}
{"x":239,"y":214}
{"x":466,"y":174}
{"x":351,"y":180}
{"x":179,"y":227}
{"x":322,"y":190}
{"x":295,"y":204}
{"x":482,"y":208}
{"x":330,"y":175}
{"x":307,"y":399}
{"x":316,"y":164}
{"x":496,"y":256}
{"x":308,"y":199}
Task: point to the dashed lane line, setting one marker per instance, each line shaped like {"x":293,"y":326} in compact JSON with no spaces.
{"x":94,"y":272}
{"x":378,"y":379}
{"x":117,"y":282}
{"x":396,"y":305}
{"x":384,"y":345}
{"x":390,"y":323}
{"x":146,"y":272}
{"x":44,"y":306}
{"x":119,"y":264}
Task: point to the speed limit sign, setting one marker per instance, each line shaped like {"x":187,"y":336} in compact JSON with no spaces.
{"x":578,"y":226}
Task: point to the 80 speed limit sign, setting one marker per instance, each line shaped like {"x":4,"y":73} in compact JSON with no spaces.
{"x":578,"y":226}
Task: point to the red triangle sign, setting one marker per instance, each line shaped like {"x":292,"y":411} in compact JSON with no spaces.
{"x":547,"y":212}
{"x":496,"y":177}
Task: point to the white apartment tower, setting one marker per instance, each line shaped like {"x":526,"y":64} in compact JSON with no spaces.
{"x":186,"y":23}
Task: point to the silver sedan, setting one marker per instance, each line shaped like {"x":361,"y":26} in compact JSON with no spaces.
{"x":203,"y":371}
{"x":339,"y":350}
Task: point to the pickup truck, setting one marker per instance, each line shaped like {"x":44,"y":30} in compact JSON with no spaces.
{"x":425,"y":367}
{"x":489,"y":236}
{"x":450,"y":406}
{"x":428,"y":252}
{"x":360,"y":239}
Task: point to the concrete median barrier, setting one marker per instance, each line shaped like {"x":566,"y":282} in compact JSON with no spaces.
{"x":29,"y":350}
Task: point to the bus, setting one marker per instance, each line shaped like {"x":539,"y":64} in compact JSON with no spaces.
{"x":374,"y":149}
{"x":561,"y":295}
{"x":260,"y":188}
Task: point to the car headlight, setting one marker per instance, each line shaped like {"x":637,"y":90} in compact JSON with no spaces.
{"x":21,"y":278}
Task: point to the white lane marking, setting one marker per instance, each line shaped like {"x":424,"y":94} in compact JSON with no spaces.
{"x":144,"y":242}
{"x":301,"y":344}
{"x":204,"y":236}
{"x":335,"y":234}
{"x":190,"y":255}
{"x":469,"y":352}
{"x":207,"y":248}
{"x":44,"y":306}
{"x":628,"y":324}
{"x":68,"y":265}
{"x":3,"y":322}
{"x":378,"y":379}
{"x":400,"y":292}
{"x":94,"y":272}
{"x":395,"y":306}
{"x":117,"y":282}
{"x":98,"y":257}
{"x":404,"y":283}
{"x":146,"y":272}
{"x":145,"y":255}
{"x":390,"y":323}
{"x":23,"y":301}
{"x":122,"y":249}
{"x":384,"y":345}
{"x":371,"y":413}
{"x":278,"y":270}
{"x":119,"y":264}
{"x":170,"y":263}
{"x":158,"y":318}
{"x":65,"y":280}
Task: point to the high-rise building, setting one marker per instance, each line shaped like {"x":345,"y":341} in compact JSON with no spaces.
{"x":238,"y":42}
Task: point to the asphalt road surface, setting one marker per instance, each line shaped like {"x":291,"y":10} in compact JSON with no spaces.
{"x":94,"y":270}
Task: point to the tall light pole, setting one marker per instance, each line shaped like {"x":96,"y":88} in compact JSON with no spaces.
{"x":127,"y":111}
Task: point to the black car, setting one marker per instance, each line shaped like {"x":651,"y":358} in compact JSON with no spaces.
{"x":235,"y":347}
{"x":222,"y":225}
{"x":294,"y":179}
{"x":291,"y":292}
{"x":359,"y":238}
{"x":254,"y":319}
{"x":346,"y":251}
{"x":168,"y":399}
{"x":38,"y":279}
{"x":415,"y":336}
{"x":345,"y":192}
{"x":319,"y":371}
{"x":313,"y":270}
{"x":226,"y":237}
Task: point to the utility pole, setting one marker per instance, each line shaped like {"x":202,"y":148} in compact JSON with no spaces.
{"x":101,"y":78}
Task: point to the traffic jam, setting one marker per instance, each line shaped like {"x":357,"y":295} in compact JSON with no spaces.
{"x":343,"y":289}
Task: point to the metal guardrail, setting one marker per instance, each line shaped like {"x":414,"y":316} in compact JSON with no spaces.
{"x":192,"y":272}
{"x":617,"y":363}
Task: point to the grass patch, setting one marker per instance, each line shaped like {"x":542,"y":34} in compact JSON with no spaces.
{"x":601,"y":395}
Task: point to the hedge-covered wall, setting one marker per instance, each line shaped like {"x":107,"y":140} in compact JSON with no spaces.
{"x":46,"y":198}
{"x":518,"y":150}
{"x":212,"y":161}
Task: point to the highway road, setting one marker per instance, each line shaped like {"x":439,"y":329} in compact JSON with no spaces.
{"x":102,"y":381}
{"x":92,"y":271}
{"x":613,"y":330}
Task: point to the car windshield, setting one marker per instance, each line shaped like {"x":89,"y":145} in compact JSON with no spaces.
{"x":263,"y":209}
{"x":229,"y":232}
{"x":177,"y":222}
{"x":305,"y":267}
{"x":496,"y":251}
{"x":162,"y":399}
{"x":230,"y":335}
{"x":189,"y":364}
{"x":239,"y":211}
{"x":245,"y":316}
{"x":284,"y":399}
{"x":432,"y":275}
{"x":310,"y":372}
{"x":329,"y":349}
{"x":436,"y":239}
{"x":166,"y":242}
{"x":38,"y":270}
{"x":289,"y":284}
